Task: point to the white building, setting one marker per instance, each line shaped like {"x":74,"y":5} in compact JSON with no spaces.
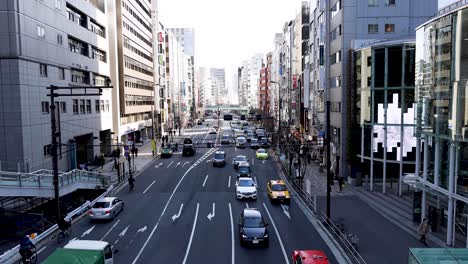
{"x":249,"y":81}
{"x":61,"y":43}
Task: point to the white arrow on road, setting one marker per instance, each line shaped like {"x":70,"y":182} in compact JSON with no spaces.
{"x":159,"y":165}
{"x":286,"y":210}
{"x":143,"y":229}
{"x":174,"y":217}
{"x":212,"y":214}
{"x":187,"y":162}
{"x":87,"y":232}
{"x":178,"y":163}
{"x":124,"y":231}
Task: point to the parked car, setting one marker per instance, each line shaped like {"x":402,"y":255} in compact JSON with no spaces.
{"x":253,"y":228}
{"x":309,"y":257}
{"x":106,"y":208}
{"x":219,"y":159}
{"x":238,"y":159}
{"x":278,"y":192}
{"x":262,"y":154}
{"x":254,"y":144}
{"x":166,"y":151}
{"x":246,"y":188}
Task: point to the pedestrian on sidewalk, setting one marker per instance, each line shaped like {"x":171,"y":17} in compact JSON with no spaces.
{"x":341,"y":183}
{"x":176,"y":146}
{"x":423,"y":230}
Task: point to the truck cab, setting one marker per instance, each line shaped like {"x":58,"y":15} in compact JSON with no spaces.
{"x":82,"y":251}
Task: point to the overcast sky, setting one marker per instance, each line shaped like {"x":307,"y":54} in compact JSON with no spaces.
{"x":229,"y":31}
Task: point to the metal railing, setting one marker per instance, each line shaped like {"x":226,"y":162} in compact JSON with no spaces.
{"x":333,"y":228}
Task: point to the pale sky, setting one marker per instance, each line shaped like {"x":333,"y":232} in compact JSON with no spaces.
{"x":229,"y":31}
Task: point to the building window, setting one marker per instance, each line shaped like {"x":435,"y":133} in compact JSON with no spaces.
{"x":61,"y":73}
{"x":77,"y":46}
{"x":78,"y":76}
{"x":63,"y":107}
{"x":389,"y":28}
{"x":107,"y":105}
{"x":58,"y":4}
{"x":335,"y":58}
{"x":88,"y":106}
{"x":373,"y":28}
{"x":390,"y":2}
{"x":97,"y":106}
{"x":76,"y":16}
{"x":43,"y":70}
{"x":97,"y":29}
{"x":75,"y":106}
{"x":40,"y":32}
{"x":98,"y":54}
{"x":335,"y":33}
{"x":99,"y":80}
{"x":82,"y":106}
{"x":47,"y":150}
{"x":373,"y":3}
{"x":102,"y":105}
{"x":45,"y":107}
{"x":336,"y":8}
{"x":59,"y":39}
{"x":335,"y":82}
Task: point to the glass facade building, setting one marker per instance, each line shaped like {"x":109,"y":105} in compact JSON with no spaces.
{"x":442,"y":119}
{"x":384,"y":107}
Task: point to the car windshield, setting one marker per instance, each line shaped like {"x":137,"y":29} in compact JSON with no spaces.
{"x":219,"y":156}
{"x":225,"y":137}
{"x":101,"y":205}
{"x":278,"y":187}
{"x":261,"y":151}
{"x":254,"y":141}
{"x":246,"y":183}
{"x":241,"y":158}
{"x":244,"y":170}
{"x":252,"y":222}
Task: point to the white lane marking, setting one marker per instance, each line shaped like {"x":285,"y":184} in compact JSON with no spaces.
{"x":178,"y":163}
{"x":174,"y":217}
{"x":204,"y":138}
{"x":253,"y":161}
{"x":87,"y":232}
{"x":170,"y":164}
{"x":232,"y":234}
{"x":229,"y":182}
{"x":123,"y":232}
{"x":263,"y":161}
{"x":235,"y":148}
{"x":208,"y":161}
{"x":141,"y":230}
{"x":277,"y":234}
{"x":204,"y":182}
{"x":40,"y":250}
{"x":211,"y":214}
{"x":102,"y":238}
{"x":191,"y":235}
{"x":286,"y":211}
{"x":247,"y":205}
{"x":159,"y":165}
{"x":187,"y":162}
{"x":148,"y":187}
{"x":163,"y":212}
{"x":255,"y":179}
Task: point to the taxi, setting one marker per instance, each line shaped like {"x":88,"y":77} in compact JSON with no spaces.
{"x":278,"y":192}
{"x":262,"y":154}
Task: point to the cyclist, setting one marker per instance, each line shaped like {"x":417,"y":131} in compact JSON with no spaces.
{"x":131,"y":182}
{"x":26,"y":247}
{"x":64,"y":225}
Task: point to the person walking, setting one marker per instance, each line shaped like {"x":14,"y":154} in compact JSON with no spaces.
{"x":423,"y":230}
{"x":136,"y":152}
{"x":176,"y":146}
{"x":341,"y":183}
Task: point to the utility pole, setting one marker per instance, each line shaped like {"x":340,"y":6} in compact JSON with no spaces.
{"x":327,"y":96}
{"x":53,"y":124}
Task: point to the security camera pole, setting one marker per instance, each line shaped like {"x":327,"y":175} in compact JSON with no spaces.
{"x":88,"y":91}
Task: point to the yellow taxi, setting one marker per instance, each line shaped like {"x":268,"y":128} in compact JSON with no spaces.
{"x":277,"y":191}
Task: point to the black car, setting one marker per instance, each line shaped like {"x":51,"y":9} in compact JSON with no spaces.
{"x":237,"y":160}
{"x":264,"y":143}
{"x":252,"y":228}
{"x":219,"y":159}
{"x":199,"y":122}
{"x":254,"y":144}
{"x":188,"y":150}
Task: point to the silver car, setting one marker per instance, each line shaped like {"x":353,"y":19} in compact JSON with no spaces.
{"x":106,"y":208}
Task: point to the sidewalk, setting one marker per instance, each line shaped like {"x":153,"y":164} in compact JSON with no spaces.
{"x":382,"y":240}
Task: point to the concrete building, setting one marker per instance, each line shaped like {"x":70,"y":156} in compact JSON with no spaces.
{"x":275,"y":77}
{"x":161,"y":82}
{"x":264,"y":98}
{"x":219,"y":91}
{"x":136,"y":73}
{"x":61,"y":43}
{"x":351,"y":22}
{"x":249,"y":83}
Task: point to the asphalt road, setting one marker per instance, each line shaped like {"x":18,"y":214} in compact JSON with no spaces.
{"x":166,"y":217}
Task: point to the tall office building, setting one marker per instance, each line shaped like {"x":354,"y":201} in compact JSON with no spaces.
{"x":218,"y":80}
{"x":61,"y":43}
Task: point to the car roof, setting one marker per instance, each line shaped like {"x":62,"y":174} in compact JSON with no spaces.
{"x":244,"y":163}
{"x":245,"y":178}
{"x":261,"y":149}
{"x":87,"y":244}
{"x":277,"y":182}
{"x":313,"y":257}
{"x":240,"y":156}
{"x":252,"y":212}
{"x":107,"y":199}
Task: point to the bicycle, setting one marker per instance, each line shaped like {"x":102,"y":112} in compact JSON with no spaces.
{"x":31,"y":258}
{"x":62,"y":235}
{"x":353,"y":240}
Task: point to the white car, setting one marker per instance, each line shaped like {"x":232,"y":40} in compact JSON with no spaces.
{"x":246,"y":188}
{"x":106,"y":208}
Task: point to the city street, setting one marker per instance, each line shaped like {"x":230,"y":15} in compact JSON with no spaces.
{"x":184,"y":210}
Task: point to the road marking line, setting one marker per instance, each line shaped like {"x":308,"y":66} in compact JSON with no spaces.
{"x":110,"y":230}
{"x":286,"y":210}
{"x":162,"y":214}
{"x":123,"y":232}
{"x":277,"y":234}
{"x":229,"y":182}
{"x":212,"y":214}
{"x":191,"y":235}
{"x":232,"y":234}
{"x":40,"y":250}
{"x":149,"y":187}
{"x":253,"y":161}
{"x":247,"y":205}
{"x":204,"y":182}
{"x":255,"y":178}
{"x":174,"y":217}
{"x":178,"y":163}
{"x":87,"y":232}
{"x":170,"y":164}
